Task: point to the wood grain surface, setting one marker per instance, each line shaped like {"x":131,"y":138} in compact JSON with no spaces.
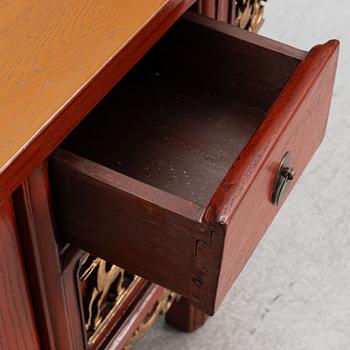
{"x":58,"y":59}
{"x":18,"y":329}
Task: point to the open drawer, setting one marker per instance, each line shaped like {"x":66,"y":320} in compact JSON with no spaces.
{"x":177,"y":173}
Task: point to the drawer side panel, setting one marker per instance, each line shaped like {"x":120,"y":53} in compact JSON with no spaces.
{"x":139,"y":235}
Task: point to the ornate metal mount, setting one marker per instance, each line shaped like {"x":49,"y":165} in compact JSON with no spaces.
{"x":160,"y":308}
{"x":250,"y":14}
{"x":103,"y":288}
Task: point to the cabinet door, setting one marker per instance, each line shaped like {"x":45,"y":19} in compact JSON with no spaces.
{"x":17,"y":329}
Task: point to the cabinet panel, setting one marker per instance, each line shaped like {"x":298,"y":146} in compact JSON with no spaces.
{"x":17,"y":329}
{"x":41,"y":253}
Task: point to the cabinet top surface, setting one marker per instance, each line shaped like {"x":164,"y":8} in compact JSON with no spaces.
{"x":49,"y":51}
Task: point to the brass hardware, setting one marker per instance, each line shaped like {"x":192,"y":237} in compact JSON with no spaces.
{"x":160,"y":308}
{"x":103,"y":288}
{"x":284,"y":176}
{"x":249,"y":14}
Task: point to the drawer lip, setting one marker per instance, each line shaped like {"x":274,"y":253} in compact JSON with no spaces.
{"x":236,"y":182}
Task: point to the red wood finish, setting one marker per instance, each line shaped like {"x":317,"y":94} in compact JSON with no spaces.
{"x":74,"y":110}
{"x":18,"y":329}
{"x":33,"y":208}
{"x":296,"y":123}
{"x":184,"y":316}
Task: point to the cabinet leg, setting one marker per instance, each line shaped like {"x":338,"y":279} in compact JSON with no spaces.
{"x":185,"y":317}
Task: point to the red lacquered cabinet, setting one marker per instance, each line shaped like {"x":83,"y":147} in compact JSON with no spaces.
{"x":195,"y":130}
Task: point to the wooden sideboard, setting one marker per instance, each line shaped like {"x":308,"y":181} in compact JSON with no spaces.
{"x":146,"y":146}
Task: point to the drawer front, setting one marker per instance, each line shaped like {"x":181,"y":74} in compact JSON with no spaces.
{"x":296,"y":123}
{"x":193,"y":245}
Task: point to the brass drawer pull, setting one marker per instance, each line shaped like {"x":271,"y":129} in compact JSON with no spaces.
{"x":284,"y":176}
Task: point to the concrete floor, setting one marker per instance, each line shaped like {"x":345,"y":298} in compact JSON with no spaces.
{"x":295,"y":291}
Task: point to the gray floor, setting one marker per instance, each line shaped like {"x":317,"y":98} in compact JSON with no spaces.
{"x":295,"y":291}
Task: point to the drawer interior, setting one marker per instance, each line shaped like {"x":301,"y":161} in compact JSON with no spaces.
{"x":181,"y":117}
{"x":166,"y":134}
